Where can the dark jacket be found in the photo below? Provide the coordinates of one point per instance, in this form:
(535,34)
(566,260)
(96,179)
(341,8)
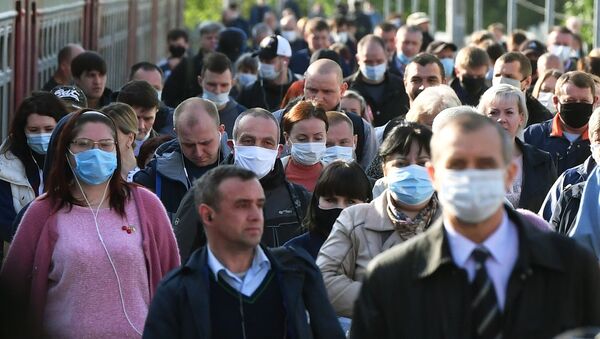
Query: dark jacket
(565,211)
(539,173)
(394,101)
(265,94)
(229,113)
(415,290)
(564,153)
(568,178)
(166,177)
(163,124)
(285,207)
(536,111)
(183,81)
(310,241)
(465,97)
(106,98)
(181,305)
(300,61)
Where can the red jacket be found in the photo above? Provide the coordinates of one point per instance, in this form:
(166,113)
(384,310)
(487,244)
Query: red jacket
(24,276)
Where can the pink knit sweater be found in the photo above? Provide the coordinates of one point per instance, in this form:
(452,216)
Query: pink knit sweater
(31,275)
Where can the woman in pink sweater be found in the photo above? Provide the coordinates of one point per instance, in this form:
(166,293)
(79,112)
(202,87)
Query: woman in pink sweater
(88,255)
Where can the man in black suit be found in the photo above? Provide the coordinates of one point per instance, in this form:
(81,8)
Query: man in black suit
(481,271)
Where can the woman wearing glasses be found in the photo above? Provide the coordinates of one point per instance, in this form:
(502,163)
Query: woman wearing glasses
(88,255)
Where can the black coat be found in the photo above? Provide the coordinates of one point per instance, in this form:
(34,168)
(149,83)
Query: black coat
(394,102)
(415,290)
(183,81)
(539,173)
(181,305)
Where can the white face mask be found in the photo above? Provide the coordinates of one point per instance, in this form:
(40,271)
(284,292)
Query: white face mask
(290,36)
(246,79)
(545,98)
(595,152)
(259,160)
(471,195)
(563,52)
(509,81)
(308,153)
(220,99)
(334,153)
(341,37)
(373,73)
(267,71)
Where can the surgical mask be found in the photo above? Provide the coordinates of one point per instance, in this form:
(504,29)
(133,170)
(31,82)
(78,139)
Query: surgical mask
(341,37)
(95,166)
(471,195)
(290,36)
(325,218)
(267,71)
(220,99)
(505,80)
(448,64)
(308,153)
(595,148)
(403,58)
(39,142)
(472,84)
(334,153)
(373,73)
(410,185)
(563,52)
(176,51)
(576,114)
(246,79)
(545,98)
(259,160)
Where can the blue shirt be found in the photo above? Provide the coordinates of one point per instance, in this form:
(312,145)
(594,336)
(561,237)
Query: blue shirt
(503,246)
(247,282)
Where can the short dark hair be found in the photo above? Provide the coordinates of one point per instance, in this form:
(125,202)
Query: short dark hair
(86,62)
(561,29)
(334,181)
(217,63)
(367,39)
(524,63)
(206,188)
(387,27)
(400,139)
(316,25)
(258,113)
(425,59)
(577,78)
(176,34)
(139,93)
(65,53)
(145,66)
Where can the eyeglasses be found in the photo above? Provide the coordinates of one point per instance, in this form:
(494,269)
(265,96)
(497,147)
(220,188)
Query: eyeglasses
(84,144)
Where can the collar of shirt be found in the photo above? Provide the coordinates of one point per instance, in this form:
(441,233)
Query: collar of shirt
(462,247)
(251,280)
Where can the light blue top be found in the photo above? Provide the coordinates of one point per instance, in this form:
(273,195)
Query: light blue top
(247,282)
(586,230)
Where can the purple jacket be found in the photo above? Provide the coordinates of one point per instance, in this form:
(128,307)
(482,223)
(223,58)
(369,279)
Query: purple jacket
(25,272)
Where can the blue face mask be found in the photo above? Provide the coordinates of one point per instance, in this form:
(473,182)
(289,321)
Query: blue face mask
(410,185)
(448,64)
(39,142)
(403,58)
(95,166)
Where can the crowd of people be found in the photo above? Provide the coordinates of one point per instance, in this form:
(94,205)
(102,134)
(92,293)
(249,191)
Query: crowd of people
(309,177)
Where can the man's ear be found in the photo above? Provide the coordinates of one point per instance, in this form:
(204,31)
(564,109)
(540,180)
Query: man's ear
(199,79)
(343,88)
(431,172)
(279,150)
(355,140)
(527,83)
(206,215)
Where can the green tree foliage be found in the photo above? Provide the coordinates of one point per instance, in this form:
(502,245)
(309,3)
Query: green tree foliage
(584,10)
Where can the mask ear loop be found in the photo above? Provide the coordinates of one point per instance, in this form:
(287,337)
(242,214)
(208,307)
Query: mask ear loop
(95,216)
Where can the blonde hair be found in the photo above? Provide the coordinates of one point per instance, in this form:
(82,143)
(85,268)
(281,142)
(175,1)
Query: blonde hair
(505,92)
(431,102)
(124,117)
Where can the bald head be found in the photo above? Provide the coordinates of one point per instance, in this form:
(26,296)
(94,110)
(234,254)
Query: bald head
(325,66)
(193,110)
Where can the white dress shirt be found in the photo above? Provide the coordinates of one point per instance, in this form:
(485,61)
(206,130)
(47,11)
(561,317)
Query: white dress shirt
(503,246)
(247,282)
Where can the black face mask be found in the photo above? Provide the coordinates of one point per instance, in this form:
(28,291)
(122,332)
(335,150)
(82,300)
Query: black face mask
(176,51)
(326,218)
(576,114)
(472,84)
